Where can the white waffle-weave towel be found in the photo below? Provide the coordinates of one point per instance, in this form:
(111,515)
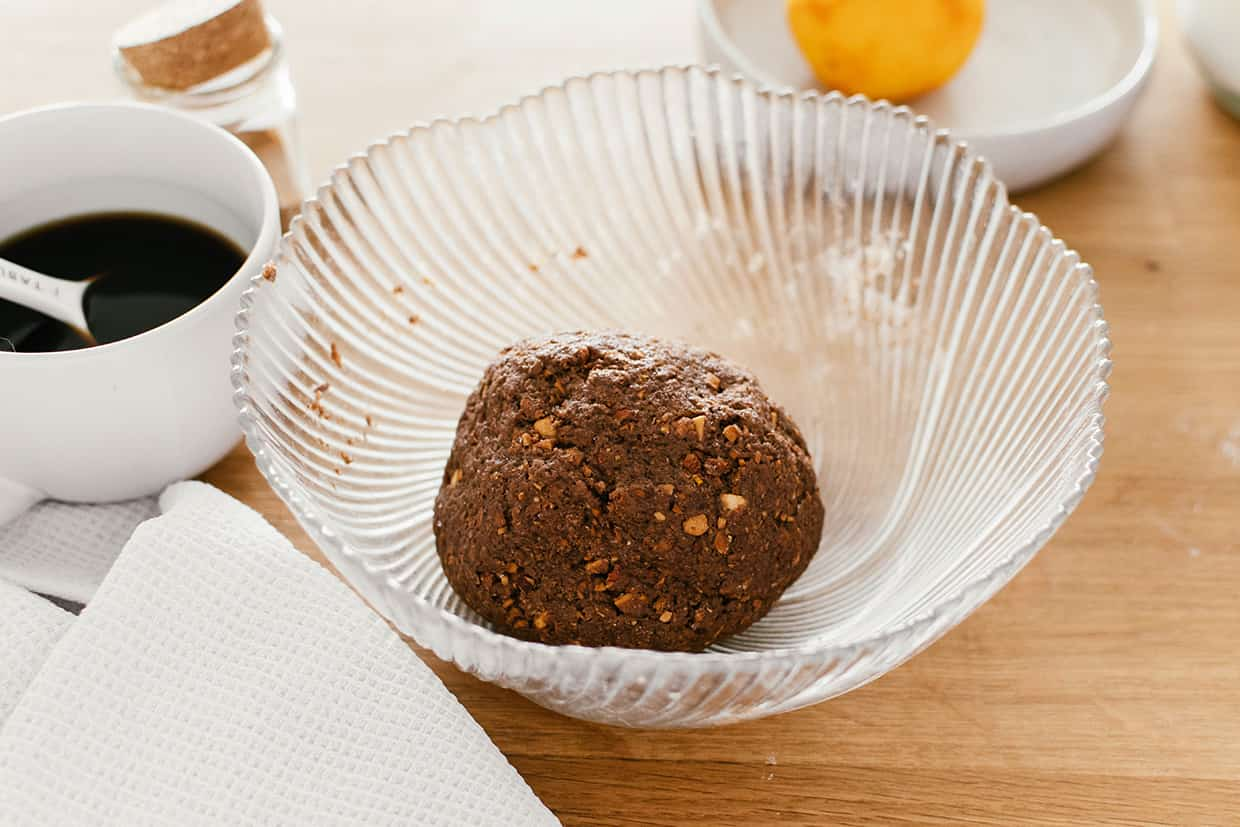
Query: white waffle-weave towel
(65,549)
(29,628)
(219,676)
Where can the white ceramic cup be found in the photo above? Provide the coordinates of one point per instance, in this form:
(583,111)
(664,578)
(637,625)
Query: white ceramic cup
(125,419)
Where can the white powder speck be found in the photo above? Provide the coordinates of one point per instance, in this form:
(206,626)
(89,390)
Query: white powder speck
(1169,531)
(1230,446)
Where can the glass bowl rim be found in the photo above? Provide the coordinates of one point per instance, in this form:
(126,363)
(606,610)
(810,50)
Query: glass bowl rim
(464,630)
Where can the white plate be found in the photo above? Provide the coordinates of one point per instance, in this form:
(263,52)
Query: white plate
(1047,87)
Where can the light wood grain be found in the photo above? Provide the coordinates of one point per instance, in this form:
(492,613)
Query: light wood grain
(1101,686)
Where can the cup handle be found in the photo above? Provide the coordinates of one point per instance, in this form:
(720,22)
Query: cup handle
(15,498)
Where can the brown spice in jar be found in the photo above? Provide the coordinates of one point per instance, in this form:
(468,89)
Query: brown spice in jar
(271,149)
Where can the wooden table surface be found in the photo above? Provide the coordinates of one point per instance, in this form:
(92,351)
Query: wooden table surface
(1101,686)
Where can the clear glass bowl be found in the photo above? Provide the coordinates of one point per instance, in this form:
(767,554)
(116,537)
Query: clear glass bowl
(943,353)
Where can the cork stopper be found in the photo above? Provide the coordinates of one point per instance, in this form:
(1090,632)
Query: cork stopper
(183,43)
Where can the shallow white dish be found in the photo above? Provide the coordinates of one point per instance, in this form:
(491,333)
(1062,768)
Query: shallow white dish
(943,354)
(1047,87)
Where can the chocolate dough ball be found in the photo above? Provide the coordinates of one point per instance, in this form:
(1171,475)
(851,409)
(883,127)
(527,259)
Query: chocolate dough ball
(613,490)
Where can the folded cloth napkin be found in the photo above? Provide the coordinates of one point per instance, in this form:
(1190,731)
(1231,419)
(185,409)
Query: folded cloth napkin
(65,549)
(29,627)
(219,676)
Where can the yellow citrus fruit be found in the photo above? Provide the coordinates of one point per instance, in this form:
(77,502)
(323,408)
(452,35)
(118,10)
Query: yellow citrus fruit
(893,49)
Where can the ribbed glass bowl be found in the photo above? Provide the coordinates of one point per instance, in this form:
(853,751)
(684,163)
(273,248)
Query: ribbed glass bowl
(943,354)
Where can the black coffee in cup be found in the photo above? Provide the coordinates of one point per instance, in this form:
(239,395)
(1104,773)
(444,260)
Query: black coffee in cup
(148,269)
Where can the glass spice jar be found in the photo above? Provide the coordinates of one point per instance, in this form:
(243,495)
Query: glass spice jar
(229,69)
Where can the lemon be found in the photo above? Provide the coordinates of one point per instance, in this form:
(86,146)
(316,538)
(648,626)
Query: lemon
(893,49)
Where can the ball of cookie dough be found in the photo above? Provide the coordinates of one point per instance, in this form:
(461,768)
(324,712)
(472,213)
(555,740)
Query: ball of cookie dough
(608,489)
